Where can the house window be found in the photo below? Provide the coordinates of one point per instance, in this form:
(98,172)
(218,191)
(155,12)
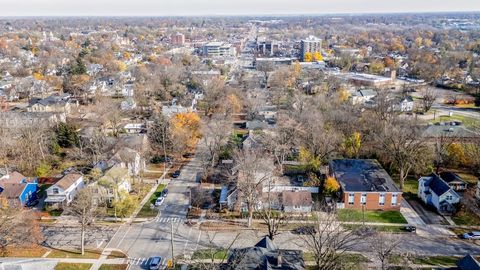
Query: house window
(55,191)
(351,198)
(394,199)
(381,199)
(449,197)
(363,199)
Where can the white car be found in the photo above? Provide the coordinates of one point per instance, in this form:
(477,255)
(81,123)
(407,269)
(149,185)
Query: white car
(472,235)
(159,201)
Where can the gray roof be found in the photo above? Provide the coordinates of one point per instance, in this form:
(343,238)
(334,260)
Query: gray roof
(437,184)
(451,177)
(362,175)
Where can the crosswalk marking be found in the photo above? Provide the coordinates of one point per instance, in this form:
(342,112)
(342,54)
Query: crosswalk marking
(169,219)
(138,261)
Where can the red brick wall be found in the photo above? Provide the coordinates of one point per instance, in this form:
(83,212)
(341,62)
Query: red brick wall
(373,201)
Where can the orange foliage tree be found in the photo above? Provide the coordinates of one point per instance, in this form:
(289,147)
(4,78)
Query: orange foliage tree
(186,129)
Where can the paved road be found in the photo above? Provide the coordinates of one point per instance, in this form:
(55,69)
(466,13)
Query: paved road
(141,241)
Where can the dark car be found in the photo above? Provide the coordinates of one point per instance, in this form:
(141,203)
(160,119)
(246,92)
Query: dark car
(155,263)
(410,228)
(188,155)
(176,174)
(165,192)
(304,230)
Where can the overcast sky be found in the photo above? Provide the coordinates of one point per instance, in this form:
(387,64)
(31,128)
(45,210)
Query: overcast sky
(224,7)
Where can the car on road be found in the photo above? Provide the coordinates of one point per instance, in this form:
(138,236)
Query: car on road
(410,228)
(165,192)
(176,174)
(155,263)
(471,235)
(159,201)
(304,230)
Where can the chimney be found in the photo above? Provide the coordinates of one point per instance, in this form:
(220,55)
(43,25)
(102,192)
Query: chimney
(279,260)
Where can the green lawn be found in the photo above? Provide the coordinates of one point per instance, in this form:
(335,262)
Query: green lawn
(75,254)
(113,267)
(436,260)
(218,254)
(146,211)
(467,121)
(371,216)
(391,229)
(73,266)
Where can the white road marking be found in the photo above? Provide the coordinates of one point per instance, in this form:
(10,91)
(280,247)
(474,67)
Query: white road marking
(187,240)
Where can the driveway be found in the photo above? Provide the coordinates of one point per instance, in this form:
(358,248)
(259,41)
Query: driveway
(427,215)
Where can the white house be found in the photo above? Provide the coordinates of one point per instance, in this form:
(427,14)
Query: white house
(127,158)
(434,191)
(404,104)
(114,180)
(64,191)
(362,96)
(297,201)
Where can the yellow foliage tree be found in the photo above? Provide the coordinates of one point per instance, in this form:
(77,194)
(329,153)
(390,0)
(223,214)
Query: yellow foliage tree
(121,66)
(331,185)
(456,155)
(317,56)
(352,145)
(312,163)
(127,55)
(38,76)
(343,95)
(307,57)
(297,70)
(376,67)
(233,104)
(187,126)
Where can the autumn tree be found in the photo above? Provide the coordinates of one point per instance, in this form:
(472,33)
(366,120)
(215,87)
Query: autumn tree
(18,228)
(384,246)
(317,57)
(331,185)
(85,210)
(308,57)
(111,181)
(185,130)
(352,145)
(429,95)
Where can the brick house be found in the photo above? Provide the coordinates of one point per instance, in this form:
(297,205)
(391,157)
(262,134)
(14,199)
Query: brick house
(364,183)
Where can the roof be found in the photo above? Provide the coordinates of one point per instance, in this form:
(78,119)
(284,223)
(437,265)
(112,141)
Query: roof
(451,177)
(68,180)
(468,263)
(265,255)
(362,175)
(13,190)
(437,185)
(297,198)
(14,177)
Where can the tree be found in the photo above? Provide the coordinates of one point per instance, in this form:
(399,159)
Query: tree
(317,57)
(383,246)
(85,210)
(402,144)
(376,67)
(441,150)
(124,205)
(331,185)
(254,169)
(429,95)
(112,180)
(185,130)
(216,132)
(307,57)
(274,220)
(329,241)
(66,135)
(18,227)
(352,145)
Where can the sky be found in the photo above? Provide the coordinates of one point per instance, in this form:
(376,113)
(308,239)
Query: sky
(224,7)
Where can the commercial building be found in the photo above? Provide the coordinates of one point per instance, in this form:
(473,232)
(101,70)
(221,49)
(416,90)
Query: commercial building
(310,45)
(216,49)
(365,184)
(178,39)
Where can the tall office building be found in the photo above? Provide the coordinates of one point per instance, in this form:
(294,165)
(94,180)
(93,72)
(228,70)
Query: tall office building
(311,44)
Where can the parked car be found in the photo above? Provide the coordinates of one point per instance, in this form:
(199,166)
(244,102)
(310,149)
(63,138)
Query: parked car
(188,155)
(176,174)
(159,201)
(304,230)
(155,263)
(471,236)
(410,228)
(165,192)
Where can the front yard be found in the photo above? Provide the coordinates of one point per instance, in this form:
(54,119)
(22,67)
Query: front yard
(73,266)
(351,215)
(466,218)
(147,211)
(75,254)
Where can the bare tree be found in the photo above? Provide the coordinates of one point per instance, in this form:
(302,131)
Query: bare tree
(215,135)
(441,146)
(18,227)
(85,210)
(429,95)
(280,143)
(254,169)
(273,219)
(329,241)
(212,252)
(384,246)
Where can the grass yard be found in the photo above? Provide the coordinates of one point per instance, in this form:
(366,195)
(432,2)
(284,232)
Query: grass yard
(73,266)
(74,254)
(26,252)
(113,267)
(146,210)
(466,218)
(467,121)
(390,229)
(371,216)
(116,255)
(436,260)
(205,254)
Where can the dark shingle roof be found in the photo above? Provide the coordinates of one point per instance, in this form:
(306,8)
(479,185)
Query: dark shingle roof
(468,263)
(437,185)
(450,177)
(357,175)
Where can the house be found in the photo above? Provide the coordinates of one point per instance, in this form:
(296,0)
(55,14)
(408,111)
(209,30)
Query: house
(454,181)
(250,142)
(265,255)
(468,263)
(127,158)
(362,96)
(404,104)
(128,104)
(114,180)
(53,103)
(365,184)
(434,191)
(17,189)
(135,128)
(297,201)
(64,191)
